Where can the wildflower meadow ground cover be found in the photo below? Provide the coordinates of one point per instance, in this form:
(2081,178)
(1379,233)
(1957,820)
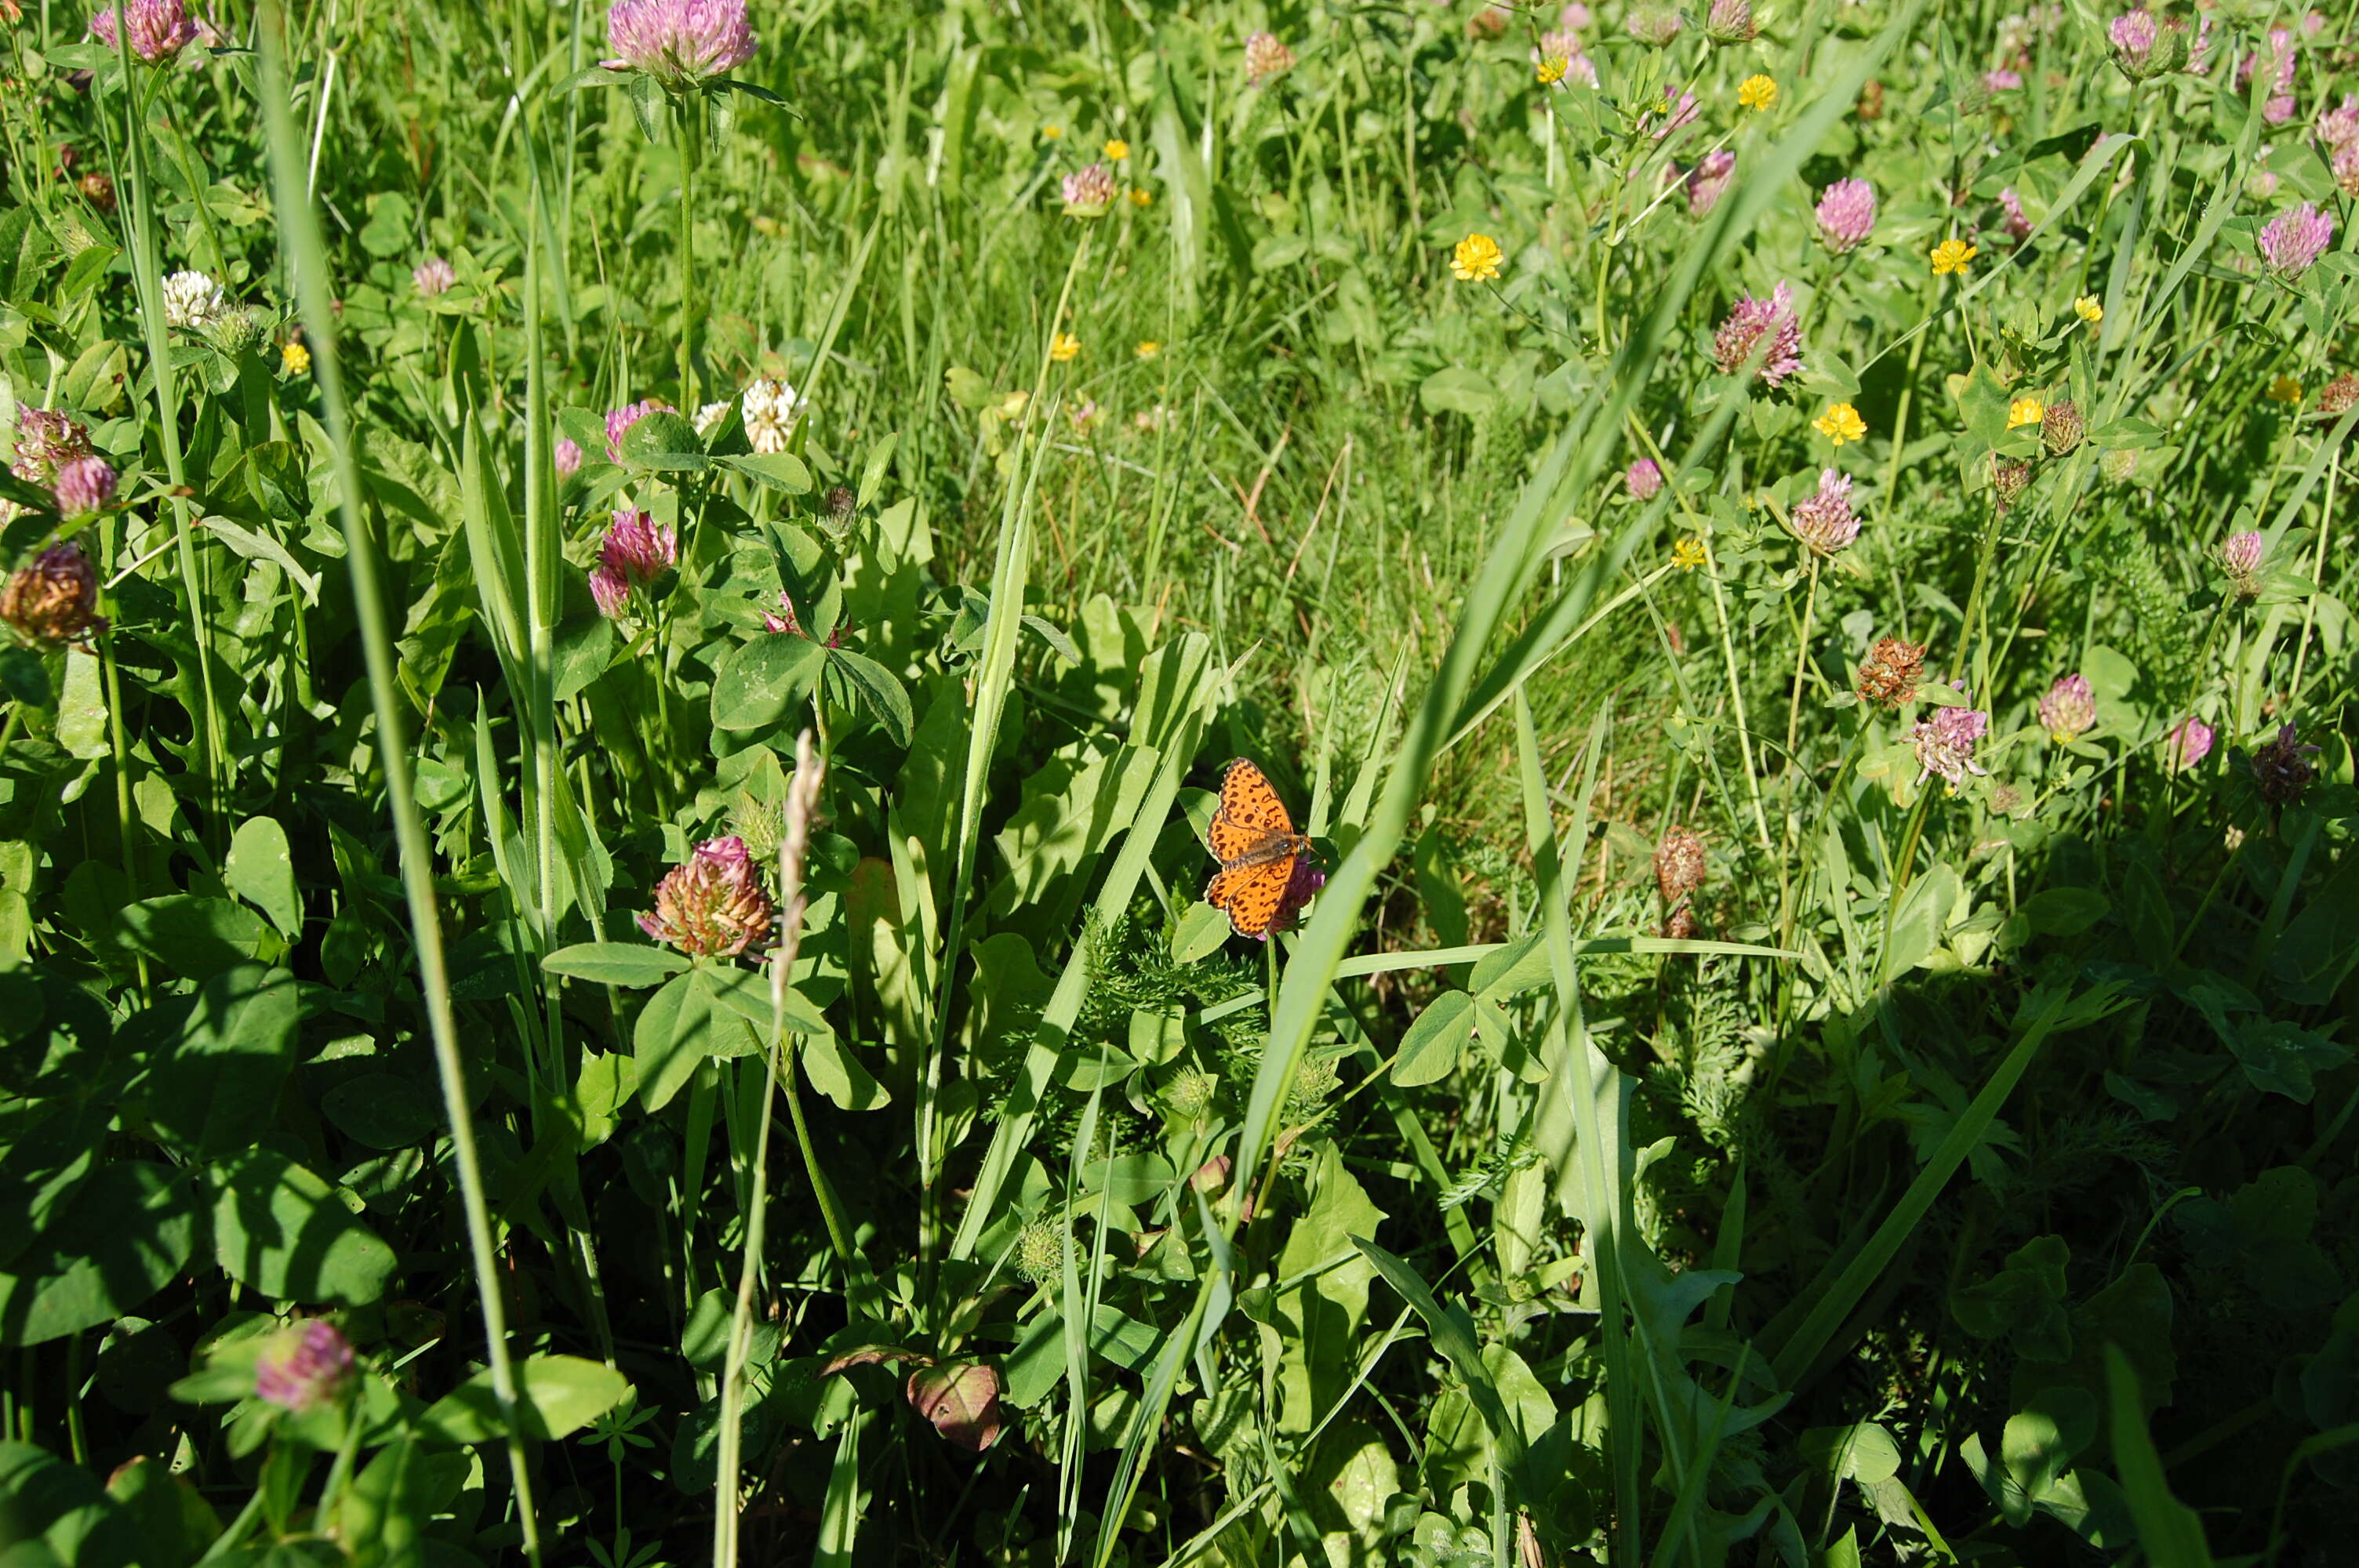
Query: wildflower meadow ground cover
(1346,782)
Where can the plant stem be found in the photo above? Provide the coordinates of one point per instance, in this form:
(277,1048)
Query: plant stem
(802,800)
(689,110)
(298,227)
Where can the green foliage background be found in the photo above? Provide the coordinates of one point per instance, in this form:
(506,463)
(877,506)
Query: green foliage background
(1957,1174)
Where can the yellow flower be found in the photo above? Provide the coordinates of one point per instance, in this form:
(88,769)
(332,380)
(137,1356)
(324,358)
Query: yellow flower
(1142,199)
(1052,132)
(295,359)
(2285,389)
(2025,411)
(1476,259)
(1951,256)
(1756,92)
(1116,150)
(1064,346)
(1148,348)
(1552,70)
(2088,309)
(1841,423)
(1688,554)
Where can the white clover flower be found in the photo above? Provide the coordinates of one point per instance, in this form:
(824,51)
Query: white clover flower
(771,408)
(709,417)
(193,301)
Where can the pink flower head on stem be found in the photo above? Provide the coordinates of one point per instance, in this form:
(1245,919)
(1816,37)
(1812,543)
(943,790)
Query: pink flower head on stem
(680,43)
(2018,225)
(2186,743)
(715,907)
(1846,214)
(2294,240)
(1945,743)
(1709,180)
(2241,553)
(1643,479)
(1266,56)
(2339,126)
(433,276)
(569,458)
(1089,192)
(2002,80)
(1683,114)
(1762,336)
(159,29)
(86,485)
(46,438)
(637,549)
(1825,520)
(2132,36)
(2068,708)
(306,1366)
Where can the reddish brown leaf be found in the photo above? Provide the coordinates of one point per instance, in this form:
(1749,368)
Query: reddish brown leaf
(871,1355)
(961,1400)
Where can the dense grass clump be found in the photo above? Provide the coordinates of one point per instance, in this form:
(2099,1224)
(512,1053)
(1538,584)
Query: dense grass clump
(628,930)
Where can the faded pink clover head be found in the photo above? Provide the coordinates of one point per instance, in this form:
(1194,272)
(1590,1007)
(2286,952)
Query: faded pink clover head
(568,456)
(1825,520)
(306,1366)
(2241,553)
(680,43)
(433,276)
(84,486)
(1683,114)
(610,590)
(1731,22)
(1643,479)
(47,439)
(715,907)
(54,600)
(1654,24)
(1089,192)
(1846,214)
(1709,180)
(156,30)
(620,420)
(2186,743)
(2294,240)
(2339,126)
(1945,743)
(1266,56)
(1762,336)
(2002,80)
(2068,708)
(2132,36)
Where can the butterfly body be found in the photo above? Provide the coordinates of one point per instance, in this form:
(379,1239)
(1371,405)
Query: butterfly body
(1254,838)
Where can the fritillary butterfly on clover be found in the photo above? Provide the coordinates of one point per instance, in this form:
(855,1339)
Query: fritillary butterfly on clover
(1267,870)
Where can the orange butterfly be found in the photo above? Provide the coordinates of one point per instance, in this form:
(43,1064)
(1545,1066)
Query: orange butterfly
(1260,882)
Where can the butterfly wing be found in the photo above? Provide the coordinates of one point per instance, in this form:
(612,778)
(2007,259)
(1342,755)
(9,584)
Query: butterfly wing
(1249,800)
(1251,896)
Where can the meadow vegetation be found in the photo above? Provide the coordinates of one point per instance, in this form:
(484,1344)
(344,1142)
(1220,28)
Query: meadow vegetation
(625,625)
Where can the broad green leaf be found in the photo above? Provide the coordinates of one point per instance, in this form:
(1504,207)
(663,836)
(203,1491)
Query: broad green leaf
(631,965)
(382,1110)
(555,1396)
(284,1232)
(759,682)
(779,470)
(195,936)
(1428,1051)
(214,1091)
(128,1232)
(261,871)
(664,441)
(880,689)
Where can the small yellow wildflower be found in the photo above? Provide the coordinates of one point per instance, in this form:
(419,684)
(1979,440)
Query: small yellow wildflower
(1756,92)
(2285,389)
(2025,411)
(1476,259)
(1688,554)
(295,359)
(2089,310)
(1064,346)
(1142,197)
(1951,256)
(1841,423)
(1551,69)
(1052,132)
(1116,150)
(1148,348)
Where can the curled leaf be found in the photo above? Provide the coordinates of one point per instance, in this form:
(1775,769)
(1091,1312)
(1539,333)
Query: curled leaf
(961,1401)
